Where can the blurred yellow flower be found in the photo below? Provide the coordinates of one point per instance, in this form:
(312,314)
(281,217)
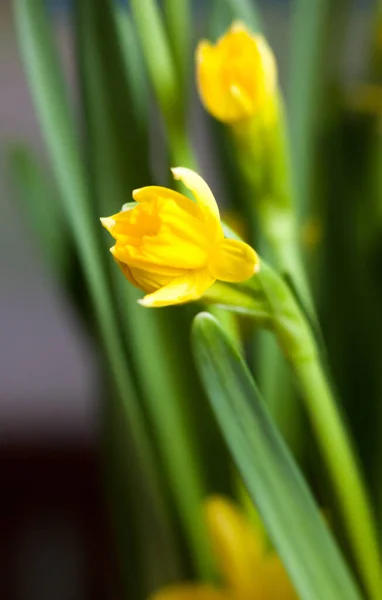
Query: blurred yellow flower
(237,77)
(249,572)
(173,248)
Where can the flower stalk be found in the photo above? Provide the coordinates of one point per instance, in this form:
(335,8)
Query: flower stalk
(272,305)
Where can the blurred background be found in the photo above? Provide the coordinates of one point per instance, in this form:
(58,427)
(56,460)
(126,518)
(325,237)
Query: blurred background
(55,539)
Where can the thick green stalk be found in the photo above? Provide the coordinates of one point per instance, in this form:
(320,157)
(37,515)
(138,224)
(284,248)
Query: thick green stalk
(269,302)
(344,469)
(263,158)
(300,349)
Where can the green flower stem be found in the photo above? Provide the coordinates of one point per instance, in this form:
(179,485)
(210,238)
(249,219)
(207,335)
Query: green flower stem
(262,154)
(267,299)
(300,349)
(344,470)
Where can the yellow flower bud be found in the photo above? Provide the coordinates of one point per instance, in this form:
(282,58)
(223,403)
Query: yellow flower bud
(173,248)
(237,77)
(249,572)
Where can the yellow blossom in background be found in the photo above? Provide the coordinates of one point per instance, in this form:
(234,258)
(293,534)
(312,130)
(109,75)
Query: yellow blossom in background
(248,570)
(237,77)
(173,248)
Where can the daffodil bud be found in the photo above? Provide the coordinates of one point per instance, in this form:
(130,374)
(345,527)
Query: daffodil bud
(247,570)
(174,249)
(237,77)
(237,81)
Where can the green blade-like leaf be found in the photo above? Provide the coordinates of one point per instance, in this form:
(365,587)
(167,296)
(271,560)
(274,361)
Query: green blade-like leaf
(224,12)
(108,76)
(274,482)
(49,93)
(39,203)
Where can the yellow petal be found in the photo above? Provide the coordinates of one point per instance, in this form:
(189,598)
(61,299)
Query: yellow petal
(211,86)
(165,251)
(276,584)
(233,261)
(191,592)
(126,271)
(186,288)
(200,190)
(153,192)
(162,231)
(237,547)
(119,253)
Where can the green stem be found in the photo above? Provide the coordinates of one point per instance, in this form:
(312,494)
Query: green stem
(344,470)
(288,258)
(300,349)
(262,154)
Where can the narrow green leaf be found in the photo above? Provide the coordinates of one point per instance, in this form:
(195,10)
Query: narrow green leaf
(159,60)
(150,335)
(223,12)
(179,24)
(277,487)
(45,77)
(316,38)
(40,204)
(134,66)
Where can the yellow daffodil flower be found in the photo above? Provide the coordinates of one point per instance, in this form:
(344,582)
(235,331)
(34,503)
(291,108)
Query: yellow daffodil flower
(237,77)
(173,248)
(249,571)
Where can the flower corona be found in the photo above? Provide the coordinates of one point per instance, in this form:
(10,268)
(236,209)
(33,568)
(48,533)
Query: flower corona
(173,248)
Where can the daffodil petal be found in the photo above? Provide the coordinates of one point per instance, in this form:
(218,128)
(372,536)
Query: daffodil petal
(199,188)
(233,261)
(191,592)
(236,545)
(186,288)
(126,271)
(150,193)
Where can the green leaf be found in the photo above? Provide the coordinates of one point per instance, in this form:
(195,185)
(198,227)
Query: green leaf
(40,205)
(43,71)
(151,336)
(316,42)
(134,66)
(274,481)
(224,12)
